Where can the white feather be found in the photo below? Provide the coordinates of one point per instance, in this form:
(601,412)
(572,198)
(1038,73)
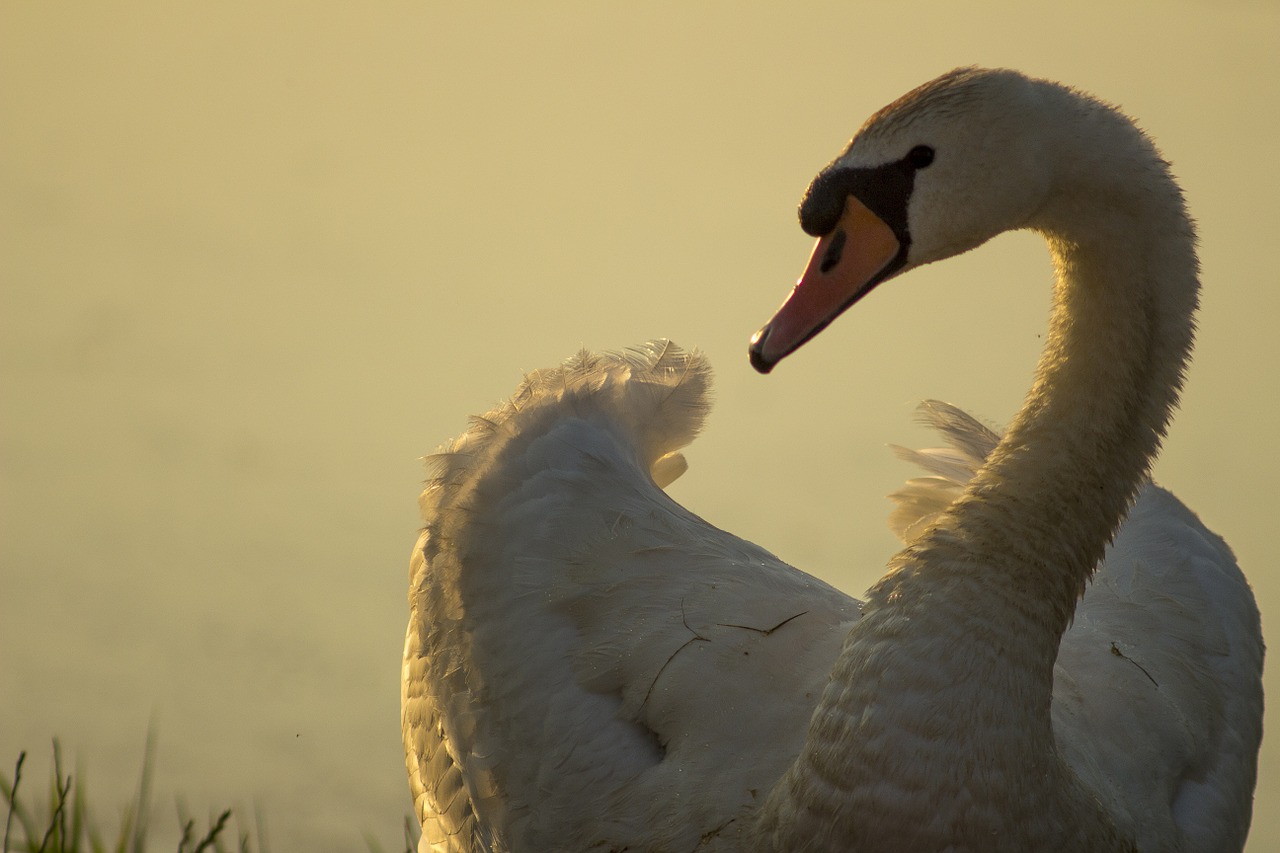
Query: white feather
(606,665)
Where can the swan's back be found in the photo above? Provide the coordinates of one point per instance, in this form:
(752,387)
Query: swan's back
(589,665)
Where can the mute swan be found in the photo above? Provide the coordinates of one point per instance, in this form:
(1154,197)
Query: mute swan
(590,666)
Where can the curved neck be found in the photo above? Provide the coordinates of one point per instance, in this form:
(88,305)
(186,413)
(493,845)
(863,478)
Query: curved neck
(1056,488)
(948,677)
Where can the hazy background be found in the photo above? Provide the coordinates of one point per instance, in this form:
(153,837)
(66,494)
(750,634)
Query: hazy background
(257,258)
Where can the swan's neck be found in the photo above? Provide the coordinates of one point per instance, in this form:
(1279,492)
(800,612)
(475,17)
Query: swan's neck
(1037,518)
(936,721)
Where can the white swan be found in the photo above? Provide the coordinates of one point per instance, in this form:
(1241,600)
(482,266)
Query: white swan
(589,666)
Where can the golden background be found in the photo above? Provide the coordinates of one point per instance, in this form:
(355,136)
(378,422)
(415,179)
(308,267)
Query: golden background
(256,258)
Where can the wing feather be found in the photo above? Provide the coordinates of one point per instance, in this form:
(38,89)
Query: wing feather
(588,665)
(1157,688)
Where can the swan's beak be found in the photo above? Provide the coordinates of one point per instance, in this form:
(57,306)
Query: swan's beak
(846,263)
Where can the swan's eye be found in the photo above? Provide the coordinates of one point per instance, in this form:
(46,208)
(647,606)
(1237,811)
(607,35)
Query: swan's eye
(920,156)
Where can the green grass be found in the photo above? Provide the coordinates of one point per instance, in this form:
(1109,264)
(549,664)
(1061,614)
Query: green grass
(60,822)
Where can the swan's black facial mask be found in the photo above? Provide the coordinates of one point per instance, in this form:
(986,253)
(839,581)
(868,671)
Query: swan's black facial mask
(852,211)
(885,190)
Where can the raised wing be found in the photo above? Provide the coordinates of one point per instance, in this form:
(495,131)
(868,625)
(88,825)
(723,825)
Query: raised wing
(588,665)
(1158,683)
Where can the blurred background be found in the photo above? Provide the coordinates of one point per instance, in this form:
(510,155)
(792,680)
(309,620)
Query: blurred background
(257,258)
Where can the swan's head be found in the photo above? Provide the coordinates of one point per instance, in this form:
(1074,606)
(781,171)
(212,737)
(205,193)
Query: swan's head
(936,173)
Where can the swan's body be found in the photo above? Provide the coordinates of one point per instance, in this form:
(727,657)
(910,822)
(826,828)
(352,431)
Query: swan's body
(589,666)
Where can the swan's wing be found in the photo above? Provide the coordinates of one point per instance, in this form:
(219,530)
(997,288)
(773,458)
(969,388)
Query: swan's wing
(588,665)
(919,502)
(1158,685)
(1157,689)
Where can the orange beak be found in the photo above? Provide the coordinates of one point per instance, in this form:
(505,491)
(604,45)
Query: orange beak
(845,265)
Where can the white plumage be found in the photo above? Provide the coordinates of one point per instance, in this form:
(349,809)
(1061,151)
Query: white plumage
(590,666)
